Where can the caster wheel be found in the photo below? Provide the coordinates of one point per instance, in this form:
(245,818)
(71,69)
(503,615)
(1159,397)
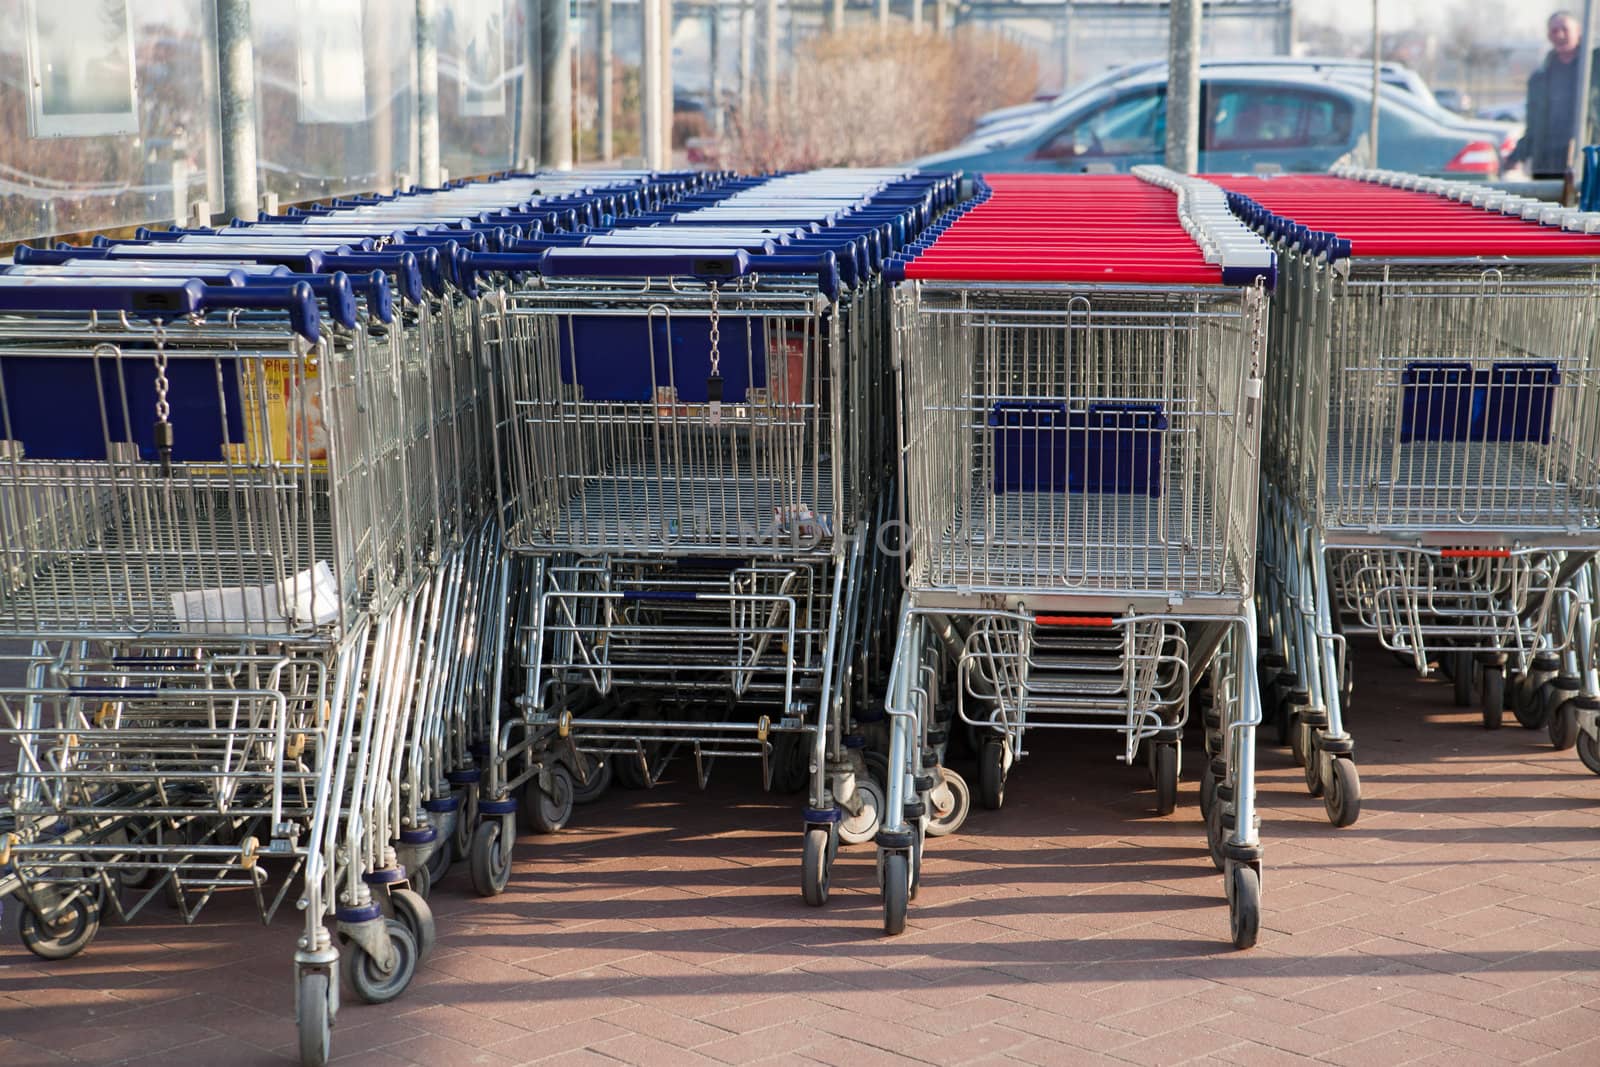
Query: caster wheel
(1283,719)
(1589,751)
(1208,792)
(490,859)
(1528,705)
(1314,768)
(439,860)
(1244,905)
(466,819)
(1494,697)
(600,772)
(549,812)
(877,765)
(64,935)
(627,773)
(314,1020)
(420,880)
(412,910)
(1164,770)
(1462,668)
(1341,794)
(992,775)
(1216,830)
(863,826)
(896,892)
(791,763)
(917,842)
(816,861)
(1299,742)
(1562,725)
(370,980)
(950,802)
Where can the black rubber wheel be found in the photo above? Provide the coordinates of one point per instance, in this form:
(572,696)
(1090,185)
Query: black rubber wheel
(1208,791)
(862,827)
(1164,769)
(992,775)
(1342,793)
(66,934)
(1283,717)
(420,879)
(490,859)
(791,762)
(1244,906)
(896,892)
(1462,668)
(1528,705)
(946,815)
(1562,725)
(816,859)
(549,812)
(1589,751)
(1313,768)
(371,982)
(600,774)
(1216,830)
(1494,697)
(1299,741)
(626,770)
(411,908)
(314,1020)
(466,818)
(439,860)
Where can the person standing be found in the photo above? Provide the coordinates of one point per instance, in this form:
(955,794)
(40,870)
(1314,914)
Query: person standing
(1552,110)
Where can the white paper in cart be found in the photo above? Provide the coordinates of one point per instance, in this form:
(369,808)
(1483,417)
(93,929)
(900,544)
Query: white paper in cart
(311,596)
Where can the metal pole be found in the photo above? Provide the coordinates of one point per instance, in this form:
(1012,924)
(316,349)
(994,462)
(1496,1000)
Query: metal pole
(1066,45)
(236,74)
(1585,72)
(916,16)
(667,96)
(532,86)
(603,86)
(714,43)
(1377,82)
(555,70)
(650,85)
(427,95)
(836,16)
(1183,87)
(883,17)
(938,16)
(747,34)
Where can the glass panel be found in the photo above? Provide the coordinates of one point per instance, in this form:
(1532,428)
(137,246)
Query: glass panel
(108,114)
(481,45)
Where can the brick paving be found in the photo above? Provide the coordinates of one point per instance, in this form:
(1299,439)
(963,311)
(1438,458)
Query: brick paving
(1456,924)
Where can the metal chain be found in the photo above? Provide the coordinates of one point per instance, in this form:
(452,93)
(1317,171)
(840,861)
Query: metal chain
(716,334)
(163,430)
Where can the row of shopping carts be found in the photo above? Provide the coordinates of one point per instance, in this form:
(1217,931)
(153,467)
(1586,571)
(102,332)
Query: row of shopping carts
(1431,454)
(253,581)
(1079,366)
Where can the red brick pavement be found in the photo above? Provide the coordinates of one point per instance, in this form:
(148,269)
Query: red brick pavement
(1456,923)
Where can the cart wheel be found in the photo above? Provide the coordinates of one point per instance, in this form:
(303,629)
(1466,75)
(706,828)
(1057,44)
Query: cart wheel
(863,826)
(992,775)
(1562,725)
(1244,905)
(896,892)
(1283,717)
(1300,741)
(1341,795)
(64,936)
(1494,697)
(815,862)
(466,818)
(918,840)
(1461,671)
(414,914)
(549,812)
(1589,750)
(627,772)
(314,1020)
(1215,831)
(1164,769)
(439,860)
(1528,704)
(877,765)
(1208,791)
(951,800)
(791,763)
(490,859)
(600,772)
(419,880)
(1314,770)
(371,982)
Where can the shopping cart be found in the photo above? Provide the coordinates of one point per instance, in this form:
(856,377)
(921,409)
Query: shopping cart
(691,444)
(1431,473)
(1078,363)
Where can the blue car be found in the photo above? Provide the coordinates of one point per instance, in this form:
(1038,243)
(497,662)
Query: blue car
(1249,121)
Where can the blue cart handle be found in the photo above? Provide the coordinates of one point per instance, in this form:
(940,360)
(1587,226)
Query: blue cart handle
(635,263)
(403,265)
(166,300)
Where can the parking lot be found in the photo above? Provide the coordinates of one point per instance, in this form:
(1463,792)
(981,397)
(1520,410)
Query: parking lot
(1455,923)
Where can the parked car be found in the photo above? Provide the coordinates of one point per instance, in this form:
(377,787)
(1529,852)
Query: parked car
(1250,119)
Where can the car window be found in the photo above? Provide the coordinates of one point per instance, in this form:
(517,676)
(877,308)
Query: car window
(1133,123)
(1244,117)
